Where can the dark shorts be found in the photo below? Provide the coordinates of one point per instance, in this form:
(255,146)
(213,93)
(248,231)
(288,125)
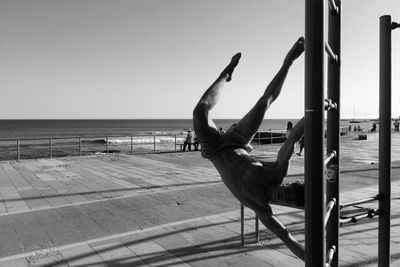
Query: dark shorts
(288,195)
(214,144)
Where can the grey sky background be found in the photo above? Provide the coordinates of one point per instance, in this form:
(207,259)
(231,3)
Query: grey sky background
(143,59)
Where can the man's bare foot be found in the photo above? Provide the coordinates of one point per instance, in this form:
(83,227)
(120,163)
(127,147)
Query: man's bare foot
(296,50)
(232,65)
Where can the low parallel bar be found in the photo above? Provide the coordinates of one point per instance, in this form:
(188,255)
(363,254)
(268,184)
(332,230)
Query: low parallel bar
(332,56)
(331,155)
(329,208)
(358,202)
(329,256)
(369,214)
(257,230)
(242,223)
(330,105)
(333,7)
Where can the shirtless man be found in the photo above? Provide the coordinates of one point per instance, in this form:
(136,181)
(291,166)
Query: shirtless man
(250,180)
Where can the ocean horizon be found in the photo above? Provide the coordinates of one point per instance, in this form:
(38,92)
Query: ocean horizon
(44,138)
(14,129)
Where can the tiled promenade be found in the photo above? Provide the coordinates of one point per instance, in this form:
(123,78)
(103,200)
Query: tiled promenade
(165,210)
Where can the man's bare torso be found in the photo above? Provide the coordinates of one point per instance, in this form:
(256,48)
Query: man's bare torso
(247,178)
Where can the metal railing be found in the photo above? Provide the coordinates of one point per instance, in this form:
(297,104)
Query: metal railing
(49,147)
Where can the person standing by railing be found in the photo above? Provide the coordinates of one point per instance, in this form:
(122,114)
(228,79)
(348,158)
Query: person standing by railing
(189,140)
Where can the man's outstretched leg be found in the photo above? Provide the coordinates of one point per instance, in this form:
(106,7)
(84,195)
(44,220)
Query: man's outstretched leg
(250,123)
(203,125)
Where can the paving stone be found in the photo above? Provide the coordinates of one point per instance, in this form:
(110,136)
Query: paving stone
(21,262)
(82,255)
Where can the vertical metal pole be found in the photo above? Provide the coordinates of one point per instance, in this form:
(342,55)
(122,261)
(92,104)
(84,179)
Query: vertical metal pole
(80,146)
(242,223)
(257,230)
(314,133)
(107,145)
(385,91)
(18,152)
(333,131)
(131,144)
(51,147)
(154,142)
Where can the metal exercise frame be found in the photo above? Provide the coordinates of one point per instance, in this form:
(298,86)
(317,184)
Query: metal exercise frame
(322,215)
(318,251)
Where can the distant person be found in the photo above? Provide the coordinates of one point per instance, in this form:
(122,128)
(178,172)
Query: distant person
(189,140)
(301,143)
(251,180)
(358,128)
(373,128)
(289,128)
(396,125)
(349,128)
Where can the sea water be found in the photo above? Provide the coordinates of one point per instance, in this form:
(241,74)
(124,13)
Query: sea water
(44,138)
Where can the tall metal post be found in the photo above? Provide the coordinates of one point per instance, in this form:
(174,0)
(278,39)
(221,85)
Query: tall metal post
(314,118)
(385,91)
(333,125)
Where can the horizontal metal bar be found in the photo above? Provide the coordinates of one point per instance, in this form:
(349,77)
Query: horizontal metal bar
(330,105)
(358,202)
(88,137)
(331,155)
(329,208)
(333,7)
(329,256)
(332,56)
(395,25)
(369,214)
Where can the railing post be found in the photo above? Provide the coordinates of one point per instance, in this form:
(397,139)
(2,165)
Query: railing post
(175,143)
(51,147)
(18,151)
(154,142)
(131,144)
(107,145)
(385,91)
(80,146)
(314,134)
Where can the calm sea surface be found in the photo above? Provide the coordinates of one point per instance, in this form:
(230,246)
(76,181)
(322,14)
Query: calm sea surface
(31,138)
(12,129)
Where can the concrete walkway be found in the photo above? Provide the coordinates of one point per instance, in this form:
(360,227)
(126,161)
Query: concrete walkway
(162,210)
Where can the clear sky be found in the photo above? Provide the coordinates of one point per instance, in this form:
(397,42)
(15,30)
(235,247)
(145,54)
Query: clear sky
(143,59)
